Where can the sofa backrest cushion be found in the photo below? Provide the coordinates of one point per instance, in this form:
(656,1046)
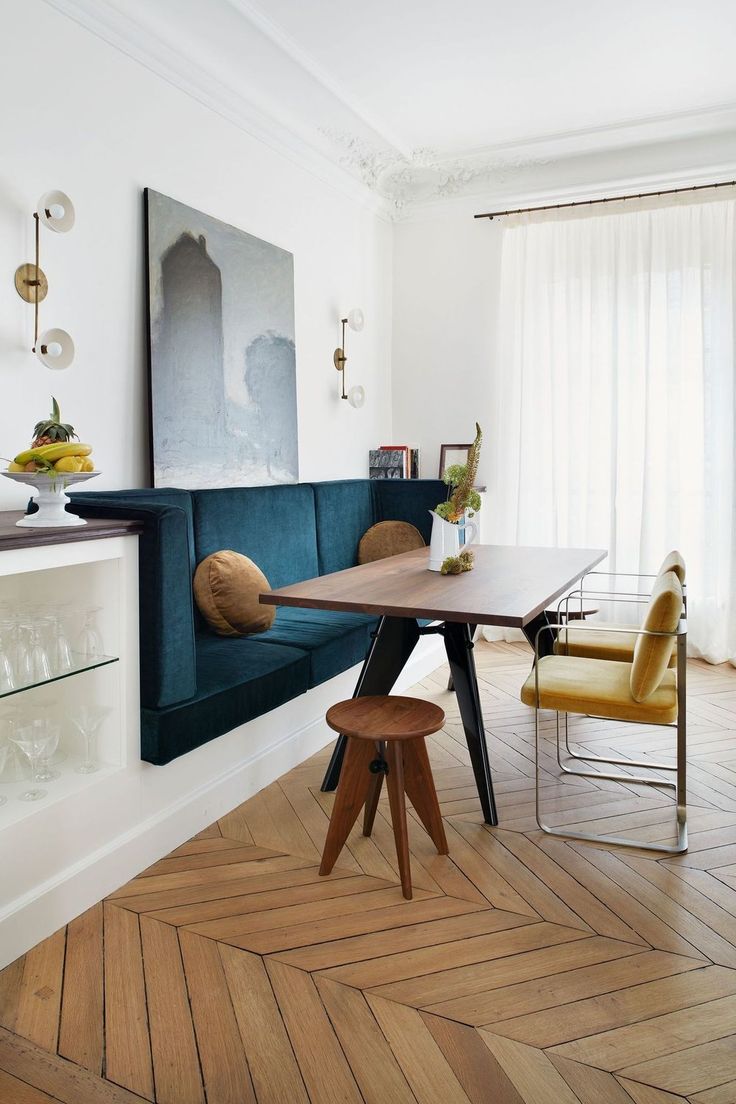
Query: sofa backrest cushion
(345,510)
(274,526)
(409,500)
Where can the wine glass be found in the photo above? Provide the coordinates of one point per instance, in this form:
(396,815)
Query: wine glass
(36,740)
(59,648)
(38,659)
(15,767)
(88,720)
(89,642)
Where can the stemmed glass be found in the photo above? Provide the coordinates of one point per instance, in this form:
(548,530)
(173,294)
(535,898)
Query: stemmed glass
(15,767)
(89,642)
(88,721)
(38,659)
(37,740)
(60,650)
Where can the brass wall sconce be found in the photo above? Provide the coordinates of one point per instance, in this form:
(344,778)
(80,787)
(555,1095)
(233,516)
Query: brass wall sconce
(356,395)
(54,347)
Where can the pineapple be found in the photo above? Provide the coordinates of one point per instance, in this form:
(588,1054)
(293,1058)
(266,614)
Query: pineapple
(52,431)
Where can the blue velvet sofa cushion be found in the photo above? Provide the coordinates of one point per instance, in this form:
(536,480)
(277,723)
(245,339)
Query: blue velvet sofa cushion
(345,510)
(238,679)
(333,641)
(409,500)
(167,650)
(274,526)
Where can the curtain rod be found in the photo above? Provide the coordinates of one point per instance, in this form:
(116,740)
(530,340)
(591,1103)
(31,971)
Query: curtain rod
(608,199)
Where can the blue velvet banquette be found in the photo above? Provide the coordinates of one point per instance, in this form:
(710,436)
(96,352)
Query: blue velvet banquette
(195,685)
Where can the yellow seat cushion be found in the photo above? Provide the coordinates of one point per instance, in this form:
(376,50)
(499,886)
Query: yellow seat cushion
(652,654)
(596,643)
(600,687)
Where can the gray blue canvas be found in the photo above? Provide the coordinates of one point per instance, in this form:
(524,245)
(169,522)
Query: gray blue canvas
(223,366)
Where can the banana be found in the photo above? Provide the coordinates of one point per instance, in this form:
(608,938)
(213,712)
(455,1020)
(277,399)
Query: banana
(53,452)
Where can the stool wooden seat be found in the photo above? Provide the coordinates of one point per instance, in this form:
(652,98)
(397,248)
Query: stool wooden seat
(385,736)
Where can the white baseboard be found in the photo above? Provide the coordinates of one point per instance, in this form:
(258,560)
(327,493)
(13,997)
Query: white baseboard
(176,812)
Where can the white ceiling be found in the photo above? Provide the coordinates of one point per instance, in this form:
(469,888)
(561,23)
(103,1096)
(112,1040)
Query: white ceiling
(476,73)
(420,100)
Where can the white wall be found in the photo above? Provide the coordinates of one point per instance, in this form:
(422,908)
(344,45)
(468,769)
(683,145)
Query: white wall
(81,116)
(446,272)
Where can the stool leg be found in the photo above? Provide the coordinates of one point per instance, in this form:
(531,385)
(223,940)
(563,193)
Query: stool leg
(374,794)
(395,785)
(355,782)
(419,785)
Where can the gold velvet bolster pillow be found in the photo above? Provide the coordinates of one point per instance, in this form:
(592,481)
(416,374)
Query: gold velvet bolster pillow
(673,561)
(226,590)
(388,538)
(652,653)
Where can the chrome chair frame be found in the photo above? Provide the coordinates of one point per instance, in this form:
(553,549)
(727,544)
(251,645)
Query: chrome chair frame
(680,725)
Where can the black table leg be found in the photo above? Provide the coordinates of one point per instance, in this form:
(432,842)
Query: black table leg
(546,640)
(393,642)
(450,683)
(459,647)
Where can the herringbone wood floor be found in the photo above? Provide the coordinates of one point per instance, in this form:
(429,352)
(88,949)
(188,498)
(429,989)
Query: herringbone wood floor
(526,969)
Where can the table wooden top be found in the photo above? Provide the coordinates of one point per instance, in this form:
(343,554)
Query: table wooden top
(95,529)
(509,585)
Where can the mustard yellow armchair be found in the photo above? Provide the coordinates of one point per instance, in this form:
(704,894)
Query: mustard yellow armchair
(644,689)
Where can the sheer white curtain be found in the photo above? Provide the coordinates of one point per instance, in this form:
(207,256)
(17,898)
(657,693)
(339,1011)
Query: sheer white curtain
(614,412)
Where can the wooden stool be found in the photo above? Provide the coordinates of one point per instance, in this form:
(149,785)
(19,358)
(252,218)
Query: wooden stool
(385,736)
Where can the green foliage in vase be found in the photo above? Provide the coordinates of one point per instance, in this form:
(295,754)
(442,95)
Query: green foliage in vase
(460,479)
(456,565)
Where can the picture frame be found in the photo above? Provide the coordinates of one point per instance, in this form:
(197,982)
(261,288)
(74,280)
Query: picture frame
(453,454)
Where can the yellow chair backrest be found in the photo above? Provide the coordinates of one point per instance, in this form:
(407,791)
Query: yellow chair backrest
(673,561)
(652,653)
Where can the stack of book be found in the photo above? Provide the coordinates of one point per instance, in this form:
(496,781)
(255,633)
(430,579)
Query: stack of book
(394,462)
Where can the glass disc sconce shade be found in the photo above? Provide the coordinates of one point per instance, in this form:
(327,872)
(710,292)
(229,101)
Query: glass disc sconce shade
(56,211)
(54,347)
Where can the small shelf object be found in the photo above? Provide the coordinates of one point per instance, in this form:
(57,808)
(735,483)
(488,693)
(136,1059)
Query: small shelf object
(51,498)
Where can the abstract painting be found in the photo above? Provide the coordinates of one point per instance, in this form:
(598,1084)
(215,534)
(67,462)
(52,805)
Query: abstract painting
(222,354)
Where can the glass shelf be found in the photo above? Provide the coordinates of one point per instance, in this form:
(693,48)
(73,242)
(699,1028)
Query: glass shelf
(82,663)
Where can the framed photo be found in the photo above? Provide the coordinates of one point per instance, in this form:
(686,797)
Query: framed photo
(453,454)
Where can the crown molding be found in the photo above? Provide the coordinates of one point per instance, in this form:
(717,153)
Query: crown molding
(118,29)
(358,156)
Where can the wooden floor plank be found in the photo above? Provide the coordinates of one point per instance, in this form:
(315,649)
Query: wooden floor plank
(39,998)
(480,1075)
(13,1091)
(62,1080)
(430,1075)
(173,1048)
(270,1057)
(689,1071)
(128,1047)
(656,1037)
(374,1066)
(591,1086)
(530,1070)
(224,1068)
(325,1069)
(81,1028)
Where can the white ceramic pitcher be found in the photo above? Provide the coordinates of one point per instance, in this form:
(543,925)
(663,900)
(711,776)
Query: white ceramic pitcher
(445,540)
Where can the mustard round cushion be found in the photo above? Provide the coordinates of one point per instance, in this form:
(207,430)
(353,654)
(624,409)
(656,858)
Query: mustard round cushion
(673,561)
(652,653)
(388,538)
(226,590)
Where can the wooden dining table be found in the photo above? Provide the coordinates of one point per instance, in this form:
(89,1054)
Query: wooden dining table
(509,586)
